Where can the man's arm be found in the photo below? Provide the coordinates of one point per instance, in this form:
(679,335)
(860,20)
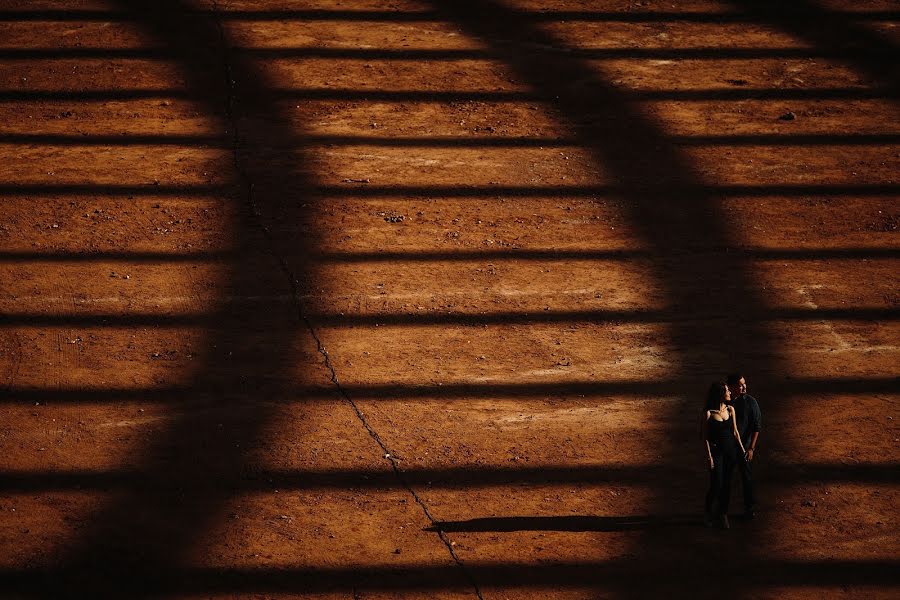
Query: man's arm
(737,434)
(752,447)
(755,426)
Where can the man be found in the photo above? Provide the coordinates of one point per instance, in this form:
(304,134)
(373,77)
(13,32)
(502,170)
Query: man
(749,420)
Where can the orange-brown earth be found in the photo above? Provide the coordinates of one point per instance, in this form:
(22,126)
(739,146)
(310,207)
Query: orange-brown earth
(421,300)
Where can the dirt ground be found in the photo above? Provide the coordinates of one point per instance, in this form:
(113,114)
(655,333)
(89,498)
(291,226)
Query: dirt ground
(359,299)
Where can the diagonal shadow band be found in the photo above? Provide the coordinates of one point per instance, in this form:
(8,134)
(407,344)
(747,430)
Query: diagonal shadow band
(866,51)
(118,555)
(648,169)
(637,151)
(138,538)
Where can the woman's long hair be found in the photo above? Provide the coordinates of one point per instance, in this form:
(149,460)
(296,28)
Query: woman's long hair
(716,395)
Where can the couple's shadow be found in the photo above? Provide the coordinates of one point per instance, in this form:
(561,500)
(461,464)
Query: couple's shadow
(568,523)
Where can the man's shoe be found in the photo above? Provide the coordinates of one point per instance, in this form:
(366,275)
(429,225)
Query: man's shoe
(707,520)
(723,522)
(749,514)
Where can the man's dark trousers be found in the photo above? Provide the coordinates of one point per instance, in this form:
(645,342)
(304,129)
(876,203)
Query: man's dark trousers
(745,468)
(749,420)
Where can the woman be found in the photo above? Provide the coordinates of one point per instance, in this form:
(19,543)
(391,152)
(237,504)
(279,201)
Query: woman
(723,450)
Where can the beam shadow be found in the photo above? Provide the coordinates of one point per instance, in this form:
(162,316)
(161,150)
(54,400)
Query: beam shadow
(753,575)
(442,97)
(461,318)
(463,255)
(407,54)
(815,139)
(467,477)
(567,523)
(662,390)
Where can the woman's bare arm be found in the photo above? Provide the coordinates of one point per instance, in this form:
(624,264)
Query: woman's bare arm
(737,436)
(704,427)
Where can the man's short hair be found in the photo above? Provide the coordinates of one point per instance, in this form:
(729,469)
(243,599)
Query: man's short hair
(734,378)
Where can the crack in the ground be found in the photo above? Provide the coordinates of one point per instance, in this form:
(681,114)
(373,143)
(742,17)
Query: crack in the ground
(247,187)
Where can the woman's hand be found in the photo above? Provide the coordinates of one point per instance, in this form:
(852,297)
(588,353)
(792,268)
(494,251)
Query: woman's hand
(712,464)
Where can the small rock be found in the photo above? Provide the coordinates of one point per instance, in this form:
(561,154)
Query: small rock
(396,550)
(811,503)
(788,116)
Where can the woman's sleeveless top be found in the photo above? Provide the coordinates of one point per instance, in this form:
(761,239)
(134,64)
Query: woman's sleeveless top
(721,433)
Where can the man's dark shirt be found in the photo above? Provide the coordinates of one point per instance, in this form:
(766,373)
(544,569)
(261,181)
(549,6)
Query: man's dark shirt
(749,417)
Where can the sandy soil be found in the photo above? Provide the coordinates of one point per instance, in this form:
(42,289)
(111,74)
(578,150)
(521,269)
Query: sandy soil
(420,300)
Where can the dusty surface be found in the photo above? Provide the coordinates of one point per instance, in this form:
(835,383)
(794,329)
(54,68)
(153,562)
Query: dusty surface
(377,300)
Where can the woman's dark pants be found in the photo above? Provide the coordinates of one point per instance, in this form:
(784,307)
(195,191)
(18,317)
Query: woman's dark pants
(719,494)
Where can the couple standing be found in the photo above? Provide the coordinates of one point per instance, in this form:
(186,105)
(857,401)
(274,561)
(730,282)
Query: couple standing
(730,424)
